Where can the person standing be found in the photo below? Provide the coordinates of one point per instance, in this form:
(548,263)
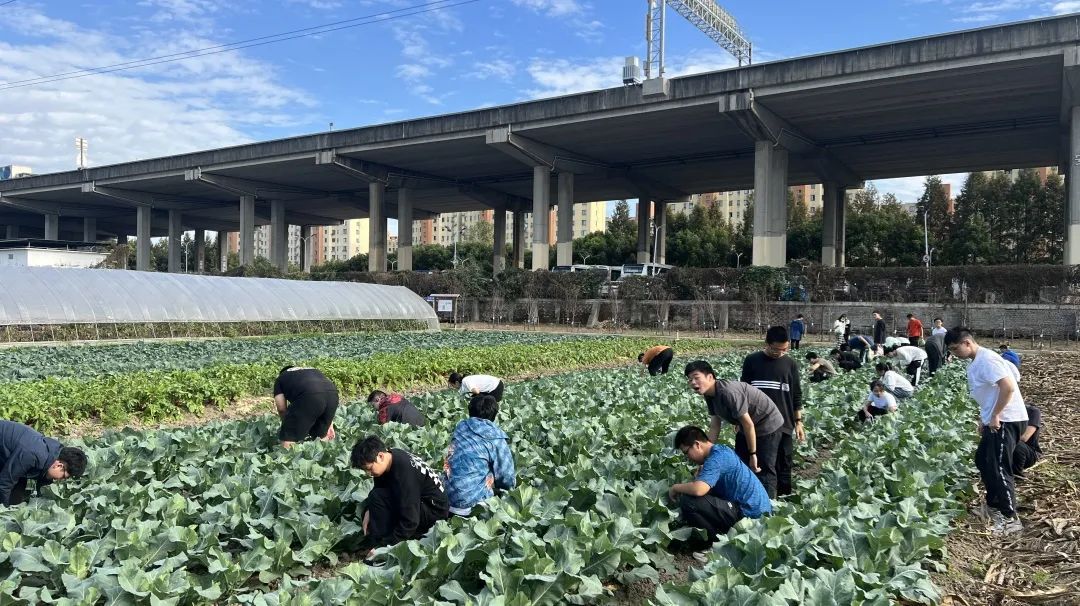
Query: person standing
(879,328)
(796,331)
(756,419)
(840,329)
(777,375)
(939,328)
(306,401)
(914,330)
(27,455)
(657,359)
(1003,418)
(936,353)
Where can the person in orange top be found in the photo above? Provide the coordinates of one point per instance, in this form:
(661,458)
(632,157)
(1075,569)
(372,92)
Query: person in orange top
(914,330)
(657,359)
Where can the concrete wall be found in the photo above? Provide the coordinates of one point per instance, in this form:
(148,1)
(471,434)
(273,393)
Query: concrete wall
(1009,321)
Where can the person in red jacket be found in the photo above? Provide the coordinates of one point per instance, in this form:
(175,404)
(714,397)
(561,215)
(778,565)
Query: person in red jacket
(914,330)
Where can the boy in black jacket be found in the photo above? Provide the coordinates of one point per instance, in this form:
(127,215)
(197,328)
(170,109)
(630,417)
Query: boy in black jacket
(408,497)
(776,374)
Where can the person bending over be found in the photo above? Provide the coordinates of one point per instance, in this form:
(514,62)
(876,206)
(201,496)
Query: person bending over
(1028,452)
(395,408)
(27,455)
(306,401)
(894,382)
(478,461)
(657,359)
(408,497)
(474,385)
(820,368)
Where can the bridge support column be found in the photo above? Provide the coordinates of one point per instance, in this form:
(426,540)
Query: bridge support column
(644,213)
(12,232)
(660,239)
(200,251)
(376,227)
(176,233)
(306,253)
(52,227)
(1072,182)
(247,229)
(498,251)
(540,217)
(831,207)
(279,235)
(142,241)
(770,204)
(405,229)
(517,241)
(564,252)
(89,230)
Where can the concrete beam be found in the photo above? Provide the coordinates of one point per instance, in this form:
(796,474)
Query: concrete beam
(493,198)
(369,172)
(653,189)
(252,187)
(759,123)
(131,198)
(534,153)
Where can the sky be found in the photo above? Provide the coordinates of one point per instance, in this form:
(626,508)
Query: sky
(456,56)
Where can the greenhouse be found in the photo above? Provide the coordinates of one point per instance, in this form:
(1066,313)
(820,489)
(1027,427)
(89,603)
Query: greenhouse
(123,303)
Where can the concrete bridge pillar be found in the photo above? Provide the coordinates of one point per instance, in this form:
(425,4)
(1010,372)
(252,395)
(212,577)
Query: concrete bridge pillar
(498,253)
(176,233)
(247,229)
(1072,183)
(200,251)
(405,229)
(832,234)
(518,240)
(279,235)
(376,227)
(564,253)
(770,204)
(52,227)
(306,253)
(644,214)
(142,235)
(12,232)
(89,229)
(660,238)
(541,209)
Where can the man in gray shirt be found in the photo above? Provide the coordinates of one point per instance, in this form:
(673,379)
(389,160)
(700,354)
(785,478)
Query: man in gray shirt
(755,416)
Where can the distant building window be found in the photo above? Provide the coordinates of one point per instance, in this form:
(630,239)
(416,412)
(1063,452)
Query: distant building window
(813,197)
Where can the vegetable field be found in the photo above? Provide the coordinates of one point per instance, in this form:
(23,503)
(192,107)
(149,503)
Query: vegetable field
(218,514)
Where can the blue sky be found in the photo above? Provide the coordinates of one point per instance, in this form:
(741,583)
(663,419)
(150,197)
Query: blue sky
(486,52)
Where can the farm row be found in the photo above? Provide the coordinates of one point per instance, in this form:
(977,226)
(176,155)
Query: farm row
(219,514)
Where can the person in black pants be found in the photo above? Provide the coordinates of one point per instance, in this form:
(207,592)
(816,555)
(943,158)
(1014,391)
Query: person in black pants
(756,419)
(306,401)
(879,329)
(657,359)
(777,375)
(935,353)
(408,497)
(1028,452)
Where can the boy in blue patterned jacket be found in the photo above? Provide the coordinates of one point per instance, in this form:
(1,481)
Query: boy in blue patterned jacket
(479,459)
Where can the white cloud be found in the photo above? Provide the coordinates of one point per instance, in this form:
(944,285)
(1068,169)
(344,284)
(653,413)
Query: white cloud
(412,71)
(558,77)
(170,108)
(497,69)
(909,189)
(552,8)
(1061,8)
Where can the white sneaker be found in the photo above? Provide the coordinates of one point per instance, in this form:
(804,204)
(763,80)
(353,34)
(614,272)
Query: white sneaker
(1005,526)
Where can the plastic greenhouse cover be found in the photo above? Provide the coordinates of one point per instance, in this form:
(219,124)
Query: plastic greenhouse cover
(49,295)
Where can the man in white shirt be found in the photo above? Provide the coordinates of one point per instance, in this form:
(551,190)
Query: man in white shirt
(473,385)
(993,384)
(910,358)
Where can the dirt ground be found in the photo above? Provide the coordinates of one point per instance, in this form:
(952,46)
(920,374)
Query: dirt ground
(1040,565)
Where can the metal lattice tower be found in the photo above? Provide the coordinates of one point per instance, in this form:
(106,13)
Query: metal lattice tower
(707,16)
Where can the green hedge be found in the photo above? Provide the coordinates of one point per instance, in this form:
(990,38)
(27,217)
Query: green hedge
(53,404)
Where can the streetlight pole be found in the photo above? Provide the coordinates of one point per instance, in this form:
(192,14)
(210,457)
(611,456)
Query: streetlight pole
(585,258)
(926,239)
(738,257)
(656,243)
